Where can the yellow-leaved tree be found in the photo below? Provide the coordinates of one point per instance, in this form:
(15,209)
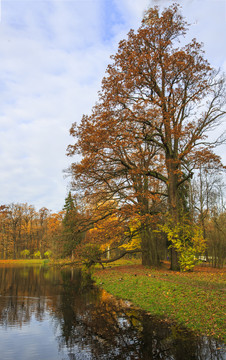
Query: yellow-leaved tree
(187,239)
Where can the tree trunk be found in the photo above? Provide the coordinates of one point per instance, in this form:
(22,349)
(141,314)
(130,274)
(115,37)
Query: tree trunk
(150,256)
(173,207)
(174,260)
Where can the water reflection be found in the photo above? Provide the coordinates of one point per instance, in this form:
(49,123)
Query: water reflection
(51,314)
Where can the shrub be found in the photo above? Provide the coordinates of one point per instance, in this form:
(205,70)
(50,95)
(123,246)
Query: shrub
(47,254)
(90,253)
(37,255)
(25,253)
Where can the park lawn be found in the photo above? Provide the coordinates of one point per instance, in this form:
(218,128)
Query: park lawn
(22,262)
(195,299)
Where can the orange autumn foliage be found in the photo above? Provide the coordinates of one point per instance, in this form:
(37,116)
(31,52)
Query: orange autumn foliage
(148,132)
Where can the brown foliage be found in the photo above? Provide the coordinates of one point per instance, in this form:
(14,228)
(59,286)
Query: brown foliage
(147,133)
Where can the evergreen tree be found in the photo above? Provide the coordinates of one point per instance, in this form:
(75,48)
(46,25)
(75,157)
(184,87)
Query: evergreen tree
(70,236)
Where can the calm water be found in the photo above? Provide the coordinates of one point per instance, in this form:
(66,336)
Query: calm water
(47,314)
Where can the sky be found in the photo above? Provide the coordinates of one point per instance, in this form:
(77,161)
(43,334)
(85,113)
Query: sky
(53,56)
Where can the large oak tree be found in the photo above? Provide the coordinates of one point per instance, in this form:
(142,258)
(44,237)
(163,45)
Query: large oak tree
(148,130)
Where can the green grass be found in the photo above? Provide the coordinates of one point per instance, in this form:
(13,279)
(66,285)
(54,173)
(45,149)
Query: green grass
(196,300)
(23,262)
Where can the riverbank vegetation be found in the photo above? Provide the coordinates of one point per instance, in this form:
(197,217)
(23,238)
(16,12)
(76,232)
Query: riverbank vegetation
(194,299)
(23,262)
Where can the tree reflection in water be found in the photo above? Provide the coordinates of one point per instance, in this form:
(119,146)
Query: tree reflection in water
(89,323)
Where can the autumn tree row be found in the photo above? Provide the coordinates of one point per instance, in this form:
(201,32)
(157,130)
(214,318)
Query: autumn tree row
(75,231)
(145,139)
(25,233)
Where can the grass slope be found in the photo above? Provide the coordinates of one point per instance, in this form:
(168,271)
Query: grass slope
(22,262)
(195,299)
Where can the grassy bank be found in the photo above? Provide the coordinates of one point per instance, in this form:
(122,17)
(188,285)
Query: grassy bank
(196,299)
(23,262)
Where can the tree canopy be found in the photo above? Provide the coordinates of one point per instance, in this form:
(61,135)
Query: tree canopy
(148,132)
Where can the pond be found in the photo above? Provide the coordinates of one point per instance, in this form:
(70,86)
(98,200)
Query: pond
(51,314)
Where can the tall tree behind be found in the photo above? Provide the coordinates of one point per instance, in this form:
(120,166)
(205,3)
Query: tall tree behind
(16,218)
(207,195)
(156,95)
(44,214)
(207,198)
(70,236)
(5,238)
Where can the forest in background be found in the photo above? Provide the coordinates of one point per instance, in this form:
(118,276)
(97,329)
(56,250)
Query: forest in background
(27,233)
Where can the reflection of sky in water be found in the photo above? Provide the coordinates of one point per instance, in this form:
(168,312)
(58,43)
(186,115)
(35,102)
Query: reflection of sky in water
(31,341)
(36,340)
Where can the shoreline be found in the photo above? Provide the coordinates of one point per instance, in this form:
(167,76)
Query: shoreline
(195,300)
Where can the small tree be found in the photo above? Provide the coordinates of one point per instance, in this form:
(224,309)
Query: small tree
(188,241)
(37,255)
(25,253)
(48,254)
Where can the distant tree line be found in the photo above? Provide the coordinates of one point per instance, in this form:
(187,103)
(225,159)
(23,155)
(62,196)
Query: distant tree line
(25,232)
(94,235)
